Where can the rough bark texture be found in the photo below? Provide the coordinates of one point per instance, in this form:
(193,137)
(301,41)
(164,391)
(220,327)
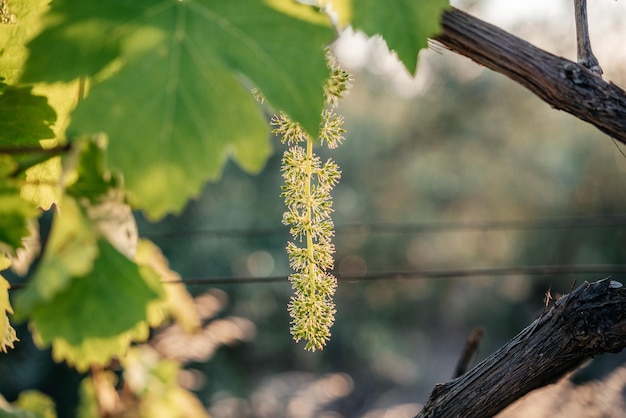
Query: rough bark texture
(562,83)
(591,320)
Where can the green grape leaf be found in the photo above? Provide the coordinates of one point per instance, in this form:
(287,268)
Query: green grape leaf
(30,404)
(26,118)
(7,333)
(70,252)
(405,25)
(88,398)
(166,158)
(15,212)
(40,188)
(80,38)
(13,37)
(93,179)
(97,316)
(173,94)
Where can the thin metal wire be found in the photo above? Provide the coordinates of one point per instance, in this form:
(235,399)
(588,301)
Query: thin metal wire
(594,221)
(577,222)
(539,270)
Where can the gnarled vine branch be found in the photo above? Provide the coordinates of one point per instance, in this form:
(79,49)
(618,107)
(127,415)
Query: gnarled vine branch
(589,321)
(563,84)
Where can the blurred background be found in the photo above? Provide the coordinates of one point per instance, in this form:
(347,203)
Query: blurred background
(455,170)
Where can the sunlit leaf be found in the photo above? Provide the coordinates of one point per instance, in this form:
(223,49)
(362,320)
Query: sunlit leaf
(405,25)
(29,404)
(178,302)
(167,144)
(88,405)
(7,333)
(40,187)
(80,38)
(25,119)
(14,215)
(43,185)
(70,252)
(96,316)
(92,178)
(15,212)
(13,37)
(175,100)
